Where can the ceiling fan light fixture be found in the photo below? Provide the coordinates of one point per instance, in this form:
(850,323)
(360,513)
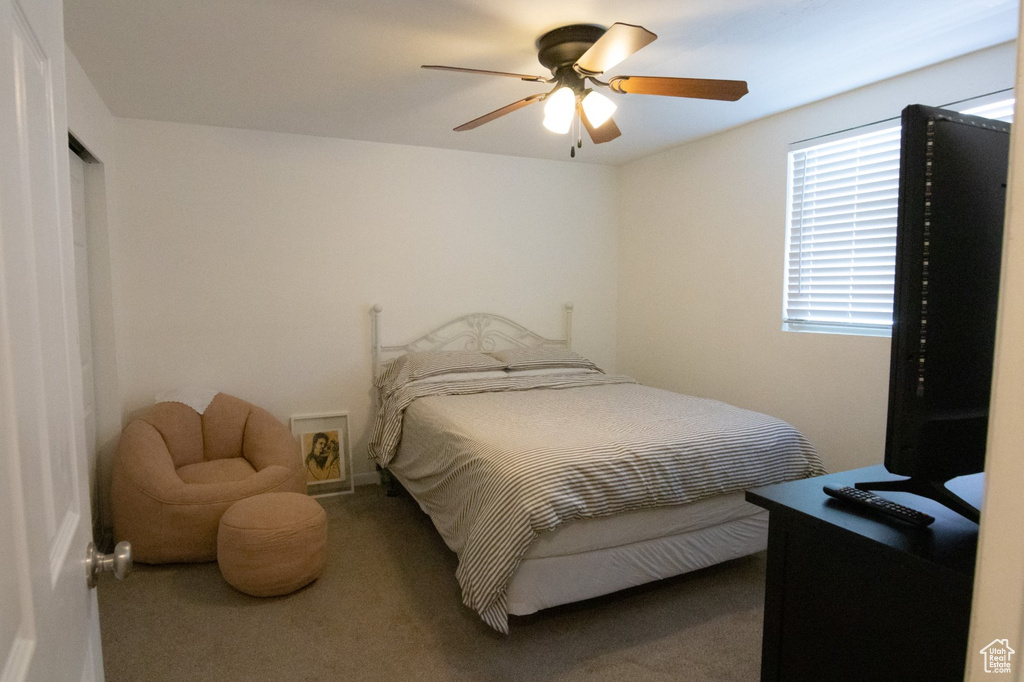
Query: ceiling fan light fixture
(598,108)
(559,110)
(580,52)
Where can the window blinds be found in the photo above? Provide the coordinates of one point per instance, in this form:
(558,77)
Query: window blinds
(841,233)
(841,243)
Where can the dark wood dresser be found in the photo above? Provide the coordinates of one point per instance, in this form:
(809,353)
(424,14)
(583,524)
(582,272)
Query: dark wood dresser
(850,595)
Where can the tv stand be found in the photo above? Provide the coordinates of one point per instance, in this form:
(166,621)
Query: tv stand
(851,596)
(933,490)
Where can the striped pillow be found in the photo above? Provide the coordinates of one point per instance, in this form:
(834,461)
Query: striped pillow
(414,366)
(541,358)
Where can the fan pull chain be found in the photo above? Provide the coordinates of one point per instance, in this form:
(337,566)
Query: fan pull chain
(572,149)
(577,131)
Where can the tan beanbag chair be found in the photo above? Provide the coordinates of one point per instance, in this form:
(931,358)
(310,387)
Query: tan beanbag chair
(176,472)
(272,544)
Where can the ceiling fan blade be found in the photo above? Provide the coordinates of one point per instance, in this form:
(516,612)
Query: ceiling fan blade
(498,113)
(617,43)
(606,133)
(699,88)
(520,76)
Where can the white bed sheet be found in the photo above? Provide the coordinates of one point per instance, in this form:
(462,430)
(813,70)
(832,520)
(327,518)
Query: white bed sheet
(584,535)
(587,558)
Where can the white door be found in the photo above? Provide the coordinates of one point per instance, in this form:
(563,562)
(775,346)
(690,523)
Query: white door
(48,622)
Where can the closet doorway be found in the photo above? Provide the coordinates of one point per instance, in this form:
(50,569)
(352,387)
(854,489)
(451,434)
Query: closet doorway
(100,394)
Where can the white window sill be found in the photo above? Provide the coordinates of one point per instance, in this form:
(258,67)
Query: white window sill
(849,330)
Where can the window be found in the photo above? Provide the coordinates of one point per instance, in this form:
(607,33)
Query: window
(841,226)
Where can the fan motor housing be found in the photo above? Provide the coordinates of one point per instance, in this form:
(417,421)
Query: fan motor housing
(563,46)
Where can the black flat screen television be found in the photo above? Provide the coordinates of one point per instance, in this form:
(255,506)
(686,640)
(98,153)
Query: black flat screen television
(949,238)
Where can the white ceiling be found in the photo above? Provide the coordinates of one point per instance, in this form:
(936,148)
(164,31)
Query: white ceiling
(350,68)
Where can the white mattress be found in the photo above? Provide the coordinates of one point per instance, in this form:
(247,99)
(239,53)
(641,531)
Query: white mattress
(591,557)
(584,535)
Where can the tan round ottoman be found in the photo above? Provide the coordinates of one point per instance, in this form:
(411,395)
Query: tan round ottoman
(272,544)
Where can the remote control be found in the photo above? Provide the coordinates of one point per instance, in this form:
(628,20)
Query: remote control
(880,505)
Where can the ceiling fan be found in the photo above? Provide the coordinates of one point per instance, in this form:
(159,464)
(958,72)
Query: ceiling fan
(579,53)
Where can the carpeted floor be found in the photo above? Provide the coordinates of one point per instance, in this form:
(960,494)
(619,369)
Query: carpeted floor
(388,608)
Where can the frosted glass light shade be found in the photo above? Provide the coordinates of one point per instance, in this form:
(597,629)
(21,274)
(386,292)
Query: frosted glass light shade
(598,108)
(559,110)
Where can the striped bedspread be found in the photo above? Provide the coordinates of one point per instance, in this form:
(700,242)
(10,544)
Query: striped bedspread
(495,462)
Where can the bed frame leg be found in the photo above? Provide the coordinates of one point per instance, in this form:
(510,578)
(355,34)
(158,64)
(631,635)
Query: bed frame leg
(389,482)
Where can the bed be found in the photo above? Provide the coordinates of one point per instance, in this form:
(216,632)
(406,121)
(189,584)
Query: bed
(554,482)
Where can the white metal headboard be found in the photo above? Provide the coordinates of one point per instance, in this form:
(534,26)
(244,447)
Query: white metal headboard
(476,331)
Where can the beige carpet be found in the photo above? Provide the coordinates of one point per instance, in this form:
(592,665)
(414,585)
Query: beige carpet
(388,608)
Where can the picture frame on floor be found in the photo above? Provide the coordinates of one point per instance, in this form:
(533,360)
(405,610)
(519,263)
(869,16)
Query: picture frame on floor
(326,452)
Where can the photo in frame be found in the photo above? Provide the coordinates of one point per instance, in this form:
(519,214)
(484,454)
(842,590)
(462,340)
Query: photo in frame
(326,452)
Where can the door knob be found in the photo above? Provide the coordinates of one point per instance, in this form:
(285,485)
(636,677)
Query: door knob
(120,562)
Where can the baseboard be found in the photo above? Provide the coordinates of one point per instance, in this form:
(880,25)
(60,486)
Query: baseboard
(367,478)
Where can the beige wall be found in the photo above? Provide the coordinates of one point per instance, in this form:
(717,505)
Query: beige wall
(700,272)
(248,261)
